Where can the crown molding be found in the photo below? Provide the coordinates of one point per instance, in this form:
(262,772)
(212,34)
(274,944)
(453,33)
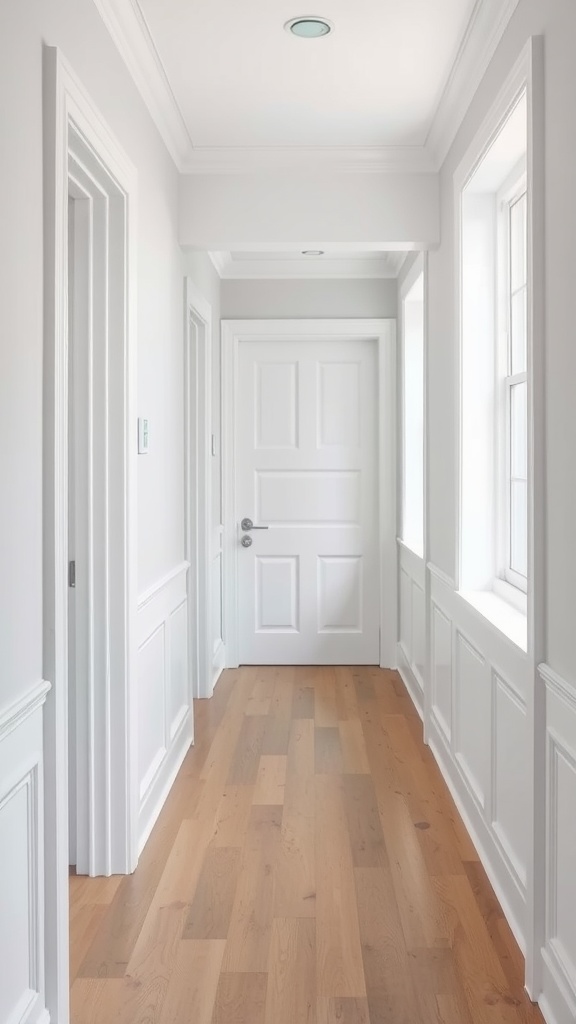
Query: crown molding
(129,30)
(130,33)
(220,261)
(384,265)
(338,159)
(488,22)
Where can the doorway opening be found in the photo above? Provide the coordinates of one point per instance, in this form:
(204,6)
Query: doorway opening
(198,484)
(90,780)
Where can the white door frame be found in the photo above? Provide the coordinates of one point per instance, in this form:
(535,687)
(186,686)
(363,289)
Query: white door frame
(197,482)
(383,332)
(74,128)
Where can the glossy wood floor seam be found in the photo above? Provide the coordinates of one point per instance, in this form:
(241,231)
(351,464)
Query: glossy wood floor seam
(309,867)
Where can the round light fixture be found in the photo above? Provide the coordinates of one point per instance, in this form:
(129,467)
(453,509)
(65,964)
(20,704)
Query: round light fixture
(313,252)
(309,27)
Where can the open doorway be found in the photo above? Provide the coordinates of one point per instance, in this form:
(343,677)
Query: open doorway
(91,796)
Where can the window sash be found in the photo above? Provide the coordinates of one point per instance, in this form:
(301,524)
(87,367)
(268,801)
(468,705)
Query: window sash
(507,361)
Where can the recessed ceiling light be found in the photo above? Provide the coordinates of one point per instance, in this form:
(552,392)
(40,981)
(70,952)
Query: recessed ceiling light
(313,252)
(309,27)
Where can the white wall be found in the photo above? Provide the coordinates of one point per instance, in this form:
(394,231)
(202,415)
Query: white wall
(76,28)
(480,687)
(238,211)
(251,300)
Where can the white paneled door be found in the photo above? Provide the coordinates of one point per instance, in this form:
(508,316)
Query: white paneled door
(306,477)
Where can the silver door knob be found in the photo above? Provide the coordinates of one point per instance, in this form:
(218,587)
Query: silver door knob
(246,541)
(248,525)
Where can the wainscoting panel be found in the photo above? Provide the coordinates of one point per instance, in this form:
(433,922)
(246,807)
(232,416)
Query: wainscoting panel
(441,670)
(478,731)
(472,717)
(165,716)
(559,1001)
(179,691)
(510,802)
(21,861)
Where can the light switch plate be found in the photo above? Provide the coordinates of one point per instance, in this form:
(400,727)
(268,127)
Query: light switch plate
(142,436)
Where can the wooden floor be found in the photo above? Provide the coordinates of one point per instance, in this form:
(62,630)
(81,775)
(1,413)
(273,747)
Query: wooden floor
(309,867)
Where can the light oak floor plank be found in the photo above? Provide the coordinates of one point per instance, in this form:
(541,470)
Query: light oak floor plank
(309,867)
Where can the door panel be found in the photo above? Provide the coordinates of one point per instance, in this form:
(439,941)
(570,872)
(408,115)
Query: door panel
(306,470)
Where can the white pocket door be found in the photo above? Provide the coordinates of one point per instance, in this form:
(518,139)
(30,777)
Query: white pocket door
(306,444)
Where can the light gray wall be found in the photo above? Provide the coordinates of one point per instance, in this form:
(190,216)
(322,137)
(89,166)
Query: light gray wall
(253,300)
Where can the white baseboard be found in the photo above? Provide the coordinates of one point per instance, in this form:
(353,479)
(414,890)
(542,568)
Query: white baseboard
(410,681)
(512,901)
(155,796)
(218,663)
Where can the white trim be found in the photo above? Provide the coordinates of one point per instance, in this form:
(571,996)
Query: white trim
(337,159)
(409,679)
(218,662)
(557,685)
(66,104)
(15,714)
(198,484)
(417,268)
(164,581)
(295,266)
(478,830)
(441,576)
(128,28)
(162,778)
(488,22)
(384,332)
(129,31)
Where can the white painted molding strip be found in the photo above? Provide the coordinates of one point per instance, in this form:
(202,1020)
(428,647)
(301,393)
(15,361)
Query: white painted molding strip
(558,685)
(440,575)
(488,22)
(13,715)
(163,582)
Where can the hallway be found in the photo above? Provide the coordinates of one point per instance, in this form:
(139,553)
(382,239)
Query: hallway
(308,866)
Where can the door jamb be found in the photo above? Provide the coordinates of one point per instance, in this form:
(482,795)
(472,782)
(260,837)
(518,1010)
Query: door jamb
(384,333)
(197,482)
(66,108)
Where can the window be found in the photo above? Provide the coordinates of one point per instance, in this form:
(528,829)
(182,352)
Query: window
(413,413)
(493,201)
(514,386)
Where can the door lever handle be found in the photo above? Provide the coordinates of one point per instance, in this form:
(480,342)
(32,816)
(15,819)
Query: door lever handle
(247,525)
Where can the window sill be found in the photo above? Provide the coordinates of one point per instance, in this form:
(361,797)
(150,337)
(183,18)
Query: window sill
(508,619)
(414,549)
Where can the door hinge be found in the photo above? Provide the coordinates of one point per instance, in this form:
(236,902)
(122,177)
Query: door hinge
(71,574)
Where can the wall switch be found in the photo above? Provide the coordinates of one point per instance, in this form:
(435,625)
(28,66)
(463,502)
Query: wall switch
(142,436)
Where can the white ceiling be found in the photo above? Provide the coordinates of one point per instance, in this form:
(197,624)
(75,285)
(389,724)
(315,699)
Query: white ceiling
(232,92)
(240,80)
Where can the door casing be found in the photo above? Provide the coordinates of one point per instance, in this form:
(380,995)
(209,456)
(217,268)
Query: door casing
(198,483)
(76,136)
(383,332)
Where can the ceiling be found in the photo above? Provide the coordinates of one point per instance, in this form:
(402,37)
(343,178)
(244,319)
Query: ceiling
(240,80)
(231,91)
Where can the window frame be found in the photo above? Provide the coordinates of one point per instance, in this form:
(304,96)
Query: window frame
(417,270)
(509,583)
